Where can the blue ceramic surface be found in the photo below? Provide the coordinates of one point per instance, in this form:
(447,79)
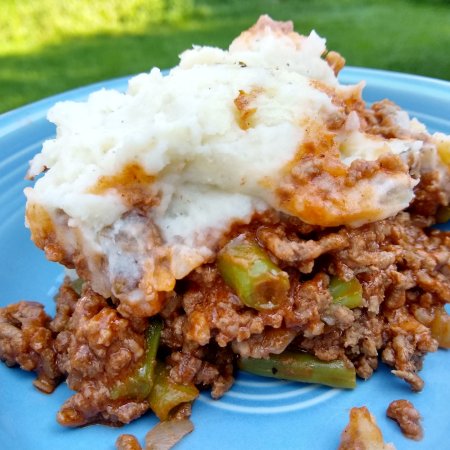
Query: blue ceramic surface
(257,413)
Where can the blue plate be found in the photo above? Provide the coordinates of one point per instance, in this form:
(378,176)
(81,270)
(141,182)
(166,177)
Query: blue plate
(257,413)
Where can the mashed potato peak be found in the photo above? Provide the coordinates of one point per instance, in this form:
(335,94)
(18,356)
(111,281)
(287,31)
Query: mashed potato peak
(139,187)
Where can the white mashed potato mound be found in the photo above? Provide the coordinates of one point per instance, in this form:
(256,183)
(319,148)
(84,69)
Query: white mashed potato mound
(139,187)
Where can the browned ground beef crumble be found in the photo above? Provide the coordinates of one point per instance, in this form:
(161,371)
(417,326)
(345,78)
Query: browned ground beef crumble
(408,418)
(26,339)
(401,263)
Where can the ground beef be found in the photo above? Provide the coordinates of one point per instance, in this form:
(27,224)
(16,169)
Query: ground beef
(66,301)
(293,250)
(207,367)
(396,261)
(408,418)
(387,119)
(428,194)
(401,265)
(212,309)
(96,350)
(88,342)
(26,340)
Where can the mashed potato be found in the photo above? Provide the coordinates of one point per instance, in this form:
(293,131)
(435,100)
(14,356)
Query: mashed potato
(139,187)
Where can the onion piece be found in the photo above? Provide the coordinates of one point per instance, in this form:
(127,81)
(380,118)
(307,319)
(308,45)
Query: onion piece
(362,432)
(166,434)
(440,328)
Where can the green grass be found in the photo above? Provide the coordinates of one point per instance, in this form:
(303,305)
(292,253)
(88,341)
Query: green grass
(49,46)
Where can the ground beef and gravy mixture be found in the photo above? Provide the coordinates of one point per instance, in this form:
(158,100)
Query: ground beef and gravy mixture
(342,220)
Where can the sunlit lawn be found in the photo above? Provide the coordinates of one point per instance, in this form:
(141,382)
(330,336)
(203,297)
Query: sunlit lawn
(49,46)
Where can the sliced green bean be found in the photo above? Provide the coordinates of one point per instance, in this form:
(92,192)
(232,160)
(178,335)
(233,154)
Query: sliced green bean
(443,214)
(77,285)
(166,394)
(249,271)
(302,367)
(139,384)
(346,293)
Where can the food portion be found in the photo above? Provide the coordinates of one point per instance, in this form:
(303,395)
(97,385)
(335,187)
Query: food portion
(141,188)
(362,432)
(407,417)
(244,211)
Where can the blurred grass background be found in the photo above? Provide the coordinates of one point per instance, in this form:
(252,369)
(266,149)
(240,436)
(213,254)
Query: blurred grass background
(49,46)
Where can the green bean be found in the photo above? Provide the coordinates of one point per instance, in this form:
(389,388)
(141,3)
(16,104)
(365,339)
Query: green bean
(443,214)
(166,394)
(346,293)
(302,367)
(248,270)
(77,285)
(139,384)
